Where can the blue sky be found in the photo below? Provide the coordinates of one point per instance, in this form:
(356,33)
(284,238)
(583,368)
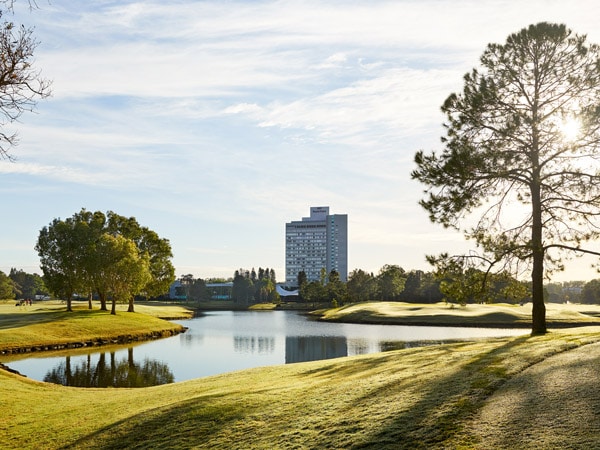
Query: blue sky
(214,123)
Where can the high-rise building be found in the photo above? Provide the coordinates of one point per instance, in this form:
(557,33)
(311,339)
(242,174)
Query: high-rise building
(316,242)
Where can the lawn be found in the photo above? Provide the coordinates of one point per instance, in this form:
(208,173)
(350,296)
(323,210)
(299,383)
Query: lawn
(47,324)
(496,315)
(428,397)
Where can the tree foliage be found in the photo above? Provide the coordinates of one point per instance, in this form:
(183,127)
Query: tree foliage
(27,285)
(7,287)
(508,161)
(111,255)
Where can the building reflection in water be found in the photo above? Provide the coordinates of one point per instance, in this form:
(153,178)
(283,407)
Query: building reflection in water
(314,348)
(251,344)
(108,371)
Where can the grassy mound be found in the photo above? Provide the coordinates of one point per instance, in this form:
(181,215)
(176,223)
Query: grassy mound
(47,325)
(495,315)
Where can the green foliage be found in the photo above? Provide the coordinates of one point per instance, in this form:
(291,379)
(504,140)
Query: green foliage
(7,287)
(80,254)
(591,292)
(252,287)
(361,286)
(390,281)
(27,285)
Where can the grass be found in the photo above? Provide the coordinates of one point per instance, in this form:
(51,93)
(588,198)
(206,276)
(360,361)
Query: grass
(427,397)
(48,324)
(497,315)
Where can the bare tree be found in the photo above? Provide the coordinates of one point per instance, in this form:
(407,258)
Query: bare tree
(21,84)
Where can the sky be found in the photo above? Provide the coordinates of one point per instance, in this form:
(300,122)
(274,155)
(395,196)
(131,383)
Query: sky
(216,122)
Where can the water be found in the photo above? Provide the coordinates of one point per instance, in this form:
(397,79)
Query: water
(226,341)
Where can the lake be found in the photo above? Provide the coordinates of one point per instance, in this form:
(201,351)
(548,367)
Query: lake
(225,341)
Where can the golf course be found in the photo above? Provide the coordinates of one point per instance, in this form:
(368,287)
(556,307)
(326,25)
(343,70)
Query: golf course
(518,392)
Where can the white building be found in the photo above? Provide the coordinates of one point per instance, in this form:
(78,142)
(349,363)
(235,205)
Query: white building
(316,242)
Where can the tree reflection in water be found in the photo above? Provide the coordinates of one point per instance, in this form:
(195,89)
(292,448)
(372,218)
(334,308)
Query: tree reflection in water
(109,372)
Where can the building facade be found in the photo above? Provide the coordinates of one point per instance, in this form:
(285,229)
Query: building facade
(316,242)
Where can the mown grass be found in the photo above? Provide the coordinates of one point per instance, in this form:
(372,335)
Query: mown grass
(496,315)
(412,398)
(48,324)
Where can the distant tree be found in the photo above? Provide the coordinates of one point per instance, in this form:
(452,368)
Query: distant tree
(162,272)
(313,292)
(591,292)
(411,286)
(27,285)
(21,84)
(198,291)
(361,286)
(302,278)
(7,287)
(429,290)
(243,289)
(187,281)
(336,289)
(390,282)
(522,151)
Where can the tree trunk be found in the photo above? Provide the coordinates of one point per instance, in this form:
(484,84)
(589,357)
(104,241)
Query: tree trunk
(130,308)
(113,309)
(90,301)
(69,306)
(102,297)
(538,314)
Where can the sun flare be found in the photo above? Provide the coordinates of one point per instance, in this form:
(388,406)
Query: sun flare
(570,129)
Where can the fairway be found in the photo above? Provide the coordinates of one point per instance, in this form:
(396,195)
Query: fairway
(428,397)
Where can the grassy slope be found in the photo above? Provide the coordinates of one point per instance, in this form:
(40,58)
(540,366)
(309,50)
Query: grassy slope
(413,398)
(503,315)
(49,324)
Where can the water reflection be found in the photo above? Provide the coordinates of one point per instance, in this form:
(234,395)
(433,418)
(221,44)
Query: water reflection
(108,371)
(314,348)
(225,341)
(254,344)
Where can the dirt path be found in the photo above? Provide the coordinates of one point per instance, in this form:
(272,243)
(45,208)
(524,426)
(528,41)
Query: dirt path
(552,405)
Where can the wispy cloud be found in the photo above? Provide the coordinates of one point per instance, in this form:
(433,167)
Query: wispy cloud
(219,121)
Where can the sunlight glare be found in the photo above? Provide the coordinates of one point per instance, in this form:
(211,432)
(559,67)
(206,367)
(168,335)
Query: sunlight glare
(570,129)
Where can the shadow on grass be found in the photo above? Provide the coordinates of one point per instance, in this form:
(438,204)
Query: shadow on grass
(432,421)
(554,404)
(23,319)
(188,424)
(440,412)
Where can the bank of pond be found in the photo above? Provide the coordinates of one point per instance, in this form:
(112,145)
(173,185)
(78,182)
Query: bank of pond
(225,341)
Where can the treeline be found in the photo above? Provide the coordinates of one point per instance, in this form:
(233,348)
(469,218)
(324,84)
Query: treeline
(393,283)
(250,286)
(19,284)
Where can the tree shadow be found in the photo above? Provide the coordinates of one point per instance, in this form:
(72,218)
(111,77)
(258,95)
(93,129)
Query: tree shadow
(439,413)
(555,404)
(188,424)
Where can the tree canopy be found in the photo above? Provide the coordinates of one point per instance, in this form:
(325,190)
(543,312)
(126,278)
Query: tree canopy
(519,169)
(111,255)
